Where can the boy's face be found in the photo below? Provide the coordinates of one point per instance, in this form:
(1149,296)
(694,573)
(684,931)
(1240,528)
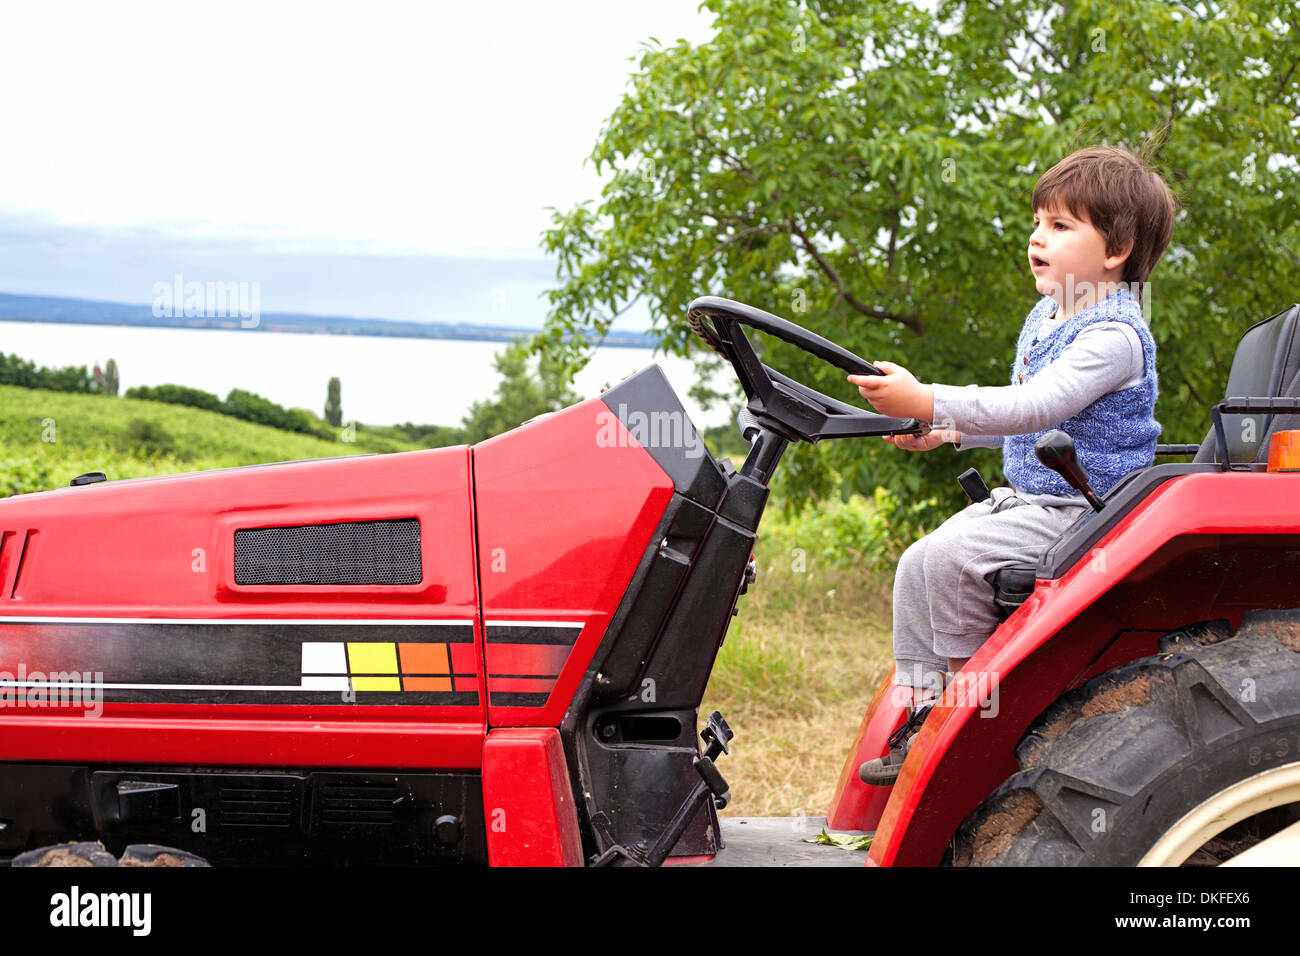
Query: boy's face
(1068,257)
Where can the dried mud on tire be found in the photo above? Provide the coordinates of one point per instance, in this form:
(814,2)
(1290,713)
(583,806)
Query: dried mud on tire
(1109,767)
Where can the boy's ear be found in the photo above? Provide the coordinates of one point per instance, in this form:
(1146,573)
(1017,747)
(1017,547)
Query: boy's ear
(1113,262)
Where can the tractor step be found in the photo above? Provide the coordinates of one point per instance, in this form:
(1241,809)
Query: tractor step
(778,841)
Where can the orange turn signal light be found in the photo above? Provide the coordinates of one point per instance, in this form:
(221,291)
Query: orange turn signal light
(1284,451)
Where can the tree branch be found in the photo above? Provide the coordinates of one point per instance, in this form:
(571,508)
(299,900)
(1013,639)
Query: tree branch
(724,155)
(609,320)
(1031,33)
(910,319)
(768,228)
(1285,80)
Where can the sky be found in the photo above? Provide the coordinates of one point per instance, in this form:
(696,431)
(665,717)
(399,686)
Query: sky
(349,158)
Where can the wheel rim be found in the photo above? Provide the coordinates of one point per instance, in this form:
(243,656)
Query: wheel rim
(1263,791)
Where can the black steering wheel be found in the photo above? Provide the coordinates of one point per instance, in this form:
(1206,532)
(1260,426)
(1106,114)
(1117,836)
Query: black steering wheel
(780,404)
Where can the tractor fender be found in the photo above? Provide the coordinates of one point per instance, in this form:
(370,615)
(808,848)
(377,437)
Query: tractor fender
(1203,546)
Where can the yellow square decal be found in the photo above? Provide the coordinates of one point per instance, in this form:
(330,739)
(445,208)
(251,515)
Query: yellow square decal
(376,683)
(366,658)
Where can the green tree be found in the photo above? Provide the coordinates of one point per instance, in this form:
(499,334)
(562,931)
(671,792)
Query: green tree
(254,408)
(334,403)
(178,395)
(111,381)
(865,169)
(527,388)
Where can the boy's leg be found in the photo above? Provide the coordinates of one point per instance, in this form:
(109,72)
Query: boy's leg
(918,667)
(948,574)
(960,563)
(915,662)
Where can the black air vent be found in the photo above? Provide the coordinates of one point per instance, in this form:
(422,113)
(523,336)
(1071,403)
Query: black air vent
(359,802)
(13,551)
(254,803)
(350,552)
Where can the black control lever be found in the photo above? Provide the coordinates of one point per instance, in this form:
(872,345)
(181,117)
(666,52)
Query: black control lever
(716,736)
(973,484)
(1055,449)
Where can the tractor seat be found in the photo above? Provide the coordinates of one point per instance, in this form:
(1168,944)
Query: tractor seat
(1012,586)
(1265,365)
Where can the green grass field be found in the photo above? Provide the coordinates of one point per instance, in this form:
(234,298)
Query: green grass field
(48,438)
(800,662)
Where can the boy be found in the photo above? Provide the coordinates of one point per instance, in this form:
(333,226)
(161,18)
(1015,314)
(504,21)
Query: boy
(1085,363)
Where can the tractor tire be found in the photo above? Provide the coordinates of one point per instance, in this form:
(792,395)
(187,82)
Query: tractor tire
(1184,758)
(94,854)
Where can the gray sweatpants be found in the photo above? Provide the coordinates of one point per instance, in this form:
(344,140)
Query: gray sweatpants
(943,588)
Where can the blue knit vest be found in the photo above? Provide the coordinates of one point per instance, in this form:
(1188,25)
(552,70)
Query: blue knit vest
(1114,435)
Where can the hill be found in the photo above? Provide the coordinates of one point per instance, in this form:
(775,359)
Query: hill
(47,438)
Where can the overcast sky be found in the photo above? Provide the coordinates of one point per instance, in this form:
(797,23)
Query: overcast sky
(379,128)
(436,127)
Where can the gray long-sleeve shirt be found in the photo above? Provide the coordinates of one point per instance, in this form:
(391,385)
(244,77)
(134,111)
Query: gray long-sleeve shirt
(1103,358)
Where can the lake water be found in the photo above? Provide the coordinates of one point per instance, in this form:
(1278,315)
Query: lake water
(384,380)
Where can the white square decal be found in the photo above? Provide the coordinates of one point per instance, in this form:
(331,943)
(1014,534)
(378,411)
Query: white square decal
(322,657)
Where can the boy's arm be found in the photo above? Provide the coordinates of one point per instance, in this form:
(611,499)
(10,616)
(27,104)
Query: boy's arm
(965,441)
(1098,361)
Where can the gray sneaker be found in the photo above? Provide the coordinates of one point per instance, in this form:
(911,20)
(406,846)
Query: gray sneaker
(883,771)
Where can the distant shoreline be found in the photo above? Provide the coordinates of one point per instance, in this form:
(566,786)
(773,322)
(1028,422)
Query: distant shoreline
(66,311)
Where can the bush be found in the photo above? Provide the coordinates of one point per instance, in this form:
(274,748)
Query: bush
(307,422)
(21,476)
(178,395)
(867,533)
(149,438)
(240,403)
(73,378)
(428,436)
(252,407)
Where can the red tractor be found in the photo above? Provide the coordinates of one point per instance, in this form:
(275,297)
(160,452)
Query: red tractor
(496,654)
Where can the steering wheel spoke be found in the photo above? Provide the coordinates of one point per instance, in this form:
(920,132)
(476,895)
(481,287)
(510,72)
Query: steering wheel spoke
(778,402)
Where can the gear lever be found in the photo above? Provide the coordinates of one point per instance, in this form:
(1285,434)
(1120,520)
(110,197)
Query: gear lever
(1055,449)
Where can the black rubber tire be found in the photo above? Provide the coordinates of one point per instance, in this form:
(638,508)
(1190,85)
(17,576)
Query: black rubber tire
(94,854)
(66,854)
(1112,765)
(155,855)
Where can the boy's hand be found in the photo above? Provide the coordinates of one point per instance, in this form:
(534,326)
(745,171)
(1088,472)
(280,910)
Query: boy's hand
(897,393)
(923,442)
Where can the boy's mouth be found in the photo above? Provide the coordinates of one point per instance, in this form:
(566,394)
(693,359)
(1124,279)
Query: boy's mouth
(1037,262)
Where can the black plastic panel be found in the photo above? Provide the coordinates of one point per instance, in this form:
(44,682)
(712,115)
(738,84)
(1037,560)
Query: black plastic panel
(249,816)
(650,411)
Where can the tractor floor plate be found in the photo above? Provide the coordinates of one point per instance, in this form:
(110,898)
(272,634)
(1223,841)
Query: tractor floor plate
(778,841)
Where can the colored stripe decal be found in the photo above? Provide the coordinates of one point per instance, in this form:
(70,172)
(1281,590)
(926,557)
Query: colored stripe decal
(290,660)
(521,632)
(530,684)
(524,659)
(331,621)
(539,659)
(240,660)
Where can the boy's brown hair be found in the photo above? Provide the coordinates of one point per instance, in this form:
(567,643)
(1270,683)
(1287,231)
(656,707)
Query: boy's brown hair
(1121,196)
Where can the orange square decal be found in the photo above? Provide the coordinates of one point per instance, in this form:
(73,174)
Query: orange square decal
(424,659)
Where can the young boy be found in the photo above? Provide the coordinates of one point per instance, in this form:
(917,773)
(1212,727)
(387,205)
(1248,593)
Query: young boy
(1085,363)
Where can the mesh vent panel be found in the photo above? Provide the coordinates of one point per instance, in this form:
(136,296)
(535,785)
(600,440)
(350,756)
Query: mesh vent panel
(352,552)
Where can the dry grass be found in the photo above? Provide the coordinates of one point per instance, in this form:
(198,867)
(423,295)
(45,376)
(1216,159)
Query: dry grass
(799,666)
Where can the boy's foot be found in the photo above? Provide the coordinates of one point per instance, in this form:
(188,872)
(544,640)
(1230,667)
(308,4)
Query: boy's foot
(883,771)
